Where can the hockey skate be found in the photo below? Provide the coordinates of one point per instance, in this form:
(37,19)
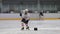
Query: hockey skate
(22,28)
(27,28)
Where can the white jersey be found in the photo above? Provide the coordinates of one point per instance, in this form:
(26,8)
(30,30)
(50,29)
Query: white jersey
(27,17)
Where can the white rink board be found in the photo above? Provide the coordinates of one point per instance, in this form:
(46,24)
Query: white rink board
(32,15)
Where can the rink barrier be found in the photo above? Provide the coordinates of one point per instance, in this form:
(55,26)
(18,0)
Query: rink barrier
(30,19)
(33,16)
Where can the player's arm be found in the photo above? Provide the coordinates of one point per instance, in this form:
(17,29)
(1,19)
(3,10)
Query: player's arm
(20,14)
(28,17)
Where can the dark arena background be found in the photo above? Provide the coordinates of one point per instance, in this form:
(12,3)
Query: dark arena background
(48,23)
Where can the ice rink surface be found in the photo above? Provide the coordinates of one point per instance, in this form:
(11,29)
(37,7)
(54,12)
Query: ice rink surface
(44,27)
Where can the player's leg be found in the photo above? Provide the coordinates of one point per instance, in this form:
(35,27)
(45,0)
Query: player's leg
(26,23)
(27,27)
(22,24)
(41,17)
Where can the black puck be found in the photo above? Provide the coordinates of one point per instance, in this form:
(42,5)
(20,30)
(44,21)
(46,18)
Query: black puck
(35,29)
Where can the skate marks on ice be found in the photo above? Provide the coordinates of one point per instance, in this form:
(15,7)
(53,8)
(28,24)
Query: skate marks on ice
(17,31)
(34,23)
(45,24)
(44,27)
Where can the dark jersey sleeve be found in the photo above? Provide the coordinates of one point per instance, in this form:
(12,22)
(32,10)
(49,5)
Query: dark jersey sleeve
(20,14)
(41,13)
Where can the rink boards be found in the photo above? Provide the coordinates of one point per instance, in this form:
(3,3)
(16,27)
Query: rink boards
(33,16)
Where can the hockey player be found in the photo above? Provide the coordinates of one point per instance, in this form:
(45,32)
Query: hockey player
(25,19)
(41,15)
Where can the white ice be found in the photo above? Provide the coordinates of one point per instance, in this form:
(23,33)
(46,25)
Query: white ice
(44,27)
